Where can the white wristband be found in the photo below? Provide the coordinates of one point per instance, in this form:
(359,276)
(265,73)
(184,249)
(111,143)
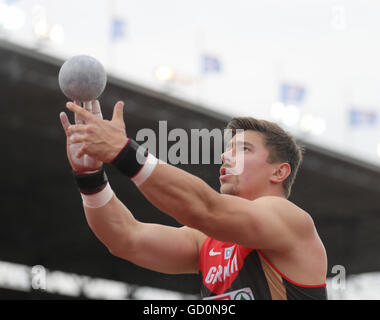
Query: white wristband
(98,200)
(146,170)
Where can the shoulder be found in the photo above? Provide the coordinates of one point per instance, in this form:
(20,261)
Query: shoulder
(291,214)
(280,205)
(304,259)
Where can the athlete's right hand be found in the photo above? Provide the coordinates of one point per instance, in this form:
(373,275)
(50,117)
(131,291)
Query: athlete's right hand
(85,163)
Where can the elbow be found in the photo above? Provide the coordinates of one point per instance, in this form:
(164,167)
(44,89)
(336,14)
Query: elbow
(119,253)
(196,221)
(195,206)
(121,250)
(201,217)
(211,217)
(113,252)
(112,249)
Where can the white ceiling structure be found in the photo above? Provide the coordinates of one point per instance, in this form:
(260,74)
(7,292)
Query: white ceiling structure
(323,55)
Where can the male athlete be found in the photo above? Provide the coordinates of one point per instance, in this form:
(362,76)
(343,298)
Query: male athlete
(248,241)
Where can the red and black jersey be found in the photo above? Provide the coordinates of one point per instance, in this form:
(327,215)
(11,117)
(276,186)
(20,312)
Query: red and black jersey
(233,272)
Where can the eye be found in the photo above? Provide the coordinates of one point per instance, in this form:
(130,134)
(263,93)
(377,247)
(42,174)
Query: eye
(246,149)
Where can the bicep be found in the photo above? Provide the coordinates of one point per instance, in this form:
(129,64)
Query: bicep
(265,223)
(163,248)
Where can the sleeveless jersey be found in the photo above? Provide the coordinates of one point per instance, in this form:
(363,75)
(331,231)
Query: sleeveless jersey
(233,272)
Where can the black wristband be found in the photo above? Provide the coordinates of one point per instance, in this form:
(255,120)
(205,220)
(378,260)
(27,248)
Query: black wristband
(131,158)
(91,183)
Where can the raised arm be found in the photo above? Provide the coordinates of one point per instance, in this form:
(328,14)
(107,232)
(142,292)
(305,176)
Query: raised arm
(157,247)
(266,223)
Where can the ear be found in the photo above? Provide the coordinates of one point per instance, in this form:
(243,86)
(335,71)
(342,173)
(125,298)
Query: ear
(280,172)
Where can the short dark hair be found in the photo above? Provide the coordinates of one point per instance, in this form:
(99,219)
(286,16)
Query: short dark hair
(281,145)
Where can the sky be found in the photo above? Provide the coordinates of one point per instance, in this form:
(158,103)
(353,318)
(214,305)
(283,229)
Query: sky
(325,49)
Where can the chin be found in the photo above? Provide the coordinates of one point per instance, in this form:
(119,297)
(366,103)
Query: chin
(228,189)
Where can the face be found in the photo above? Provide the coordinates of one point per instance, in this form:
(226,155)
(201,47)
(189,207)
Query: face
(245,171)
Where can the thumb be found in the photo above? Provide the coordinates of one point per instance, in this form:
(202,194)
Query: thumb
(118,112)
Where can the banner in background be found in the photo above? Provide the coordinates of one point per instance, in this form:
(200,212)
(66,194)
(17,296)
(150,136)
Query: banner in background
(292,94)
(210,64)
(362,118)
(118,29)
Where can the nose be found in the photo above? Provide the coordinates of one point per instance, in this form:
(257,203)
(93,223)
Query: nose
(227,157)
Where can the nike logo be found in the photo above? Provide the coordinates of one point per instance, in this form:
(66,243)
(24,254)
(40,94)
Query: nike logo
(213,253)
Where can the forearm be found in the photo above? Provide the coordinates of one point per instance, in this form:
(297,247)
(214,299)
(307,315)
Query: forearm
(107,217)
(156,247)
(113,224)
(175,192)
(181,195)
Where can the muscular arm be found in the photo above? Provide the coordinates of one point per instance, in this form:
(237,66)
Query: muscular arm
(157,247)
(266,223)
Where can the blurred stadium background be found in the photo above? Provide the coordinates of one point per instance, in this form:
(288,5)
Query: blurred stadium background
(311,66)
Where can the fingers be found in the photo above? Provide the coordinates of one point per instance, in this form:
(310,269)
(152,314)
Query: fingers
(118,112)
(78,128)
(65,122)
(80,132)
(77,138)
(87,105)
(96,110)
(78,119)
(81,152)
(81,113)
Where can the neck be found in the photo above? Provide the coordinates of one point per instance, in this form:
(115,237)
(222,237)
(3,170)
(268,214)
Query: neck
(273,192)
